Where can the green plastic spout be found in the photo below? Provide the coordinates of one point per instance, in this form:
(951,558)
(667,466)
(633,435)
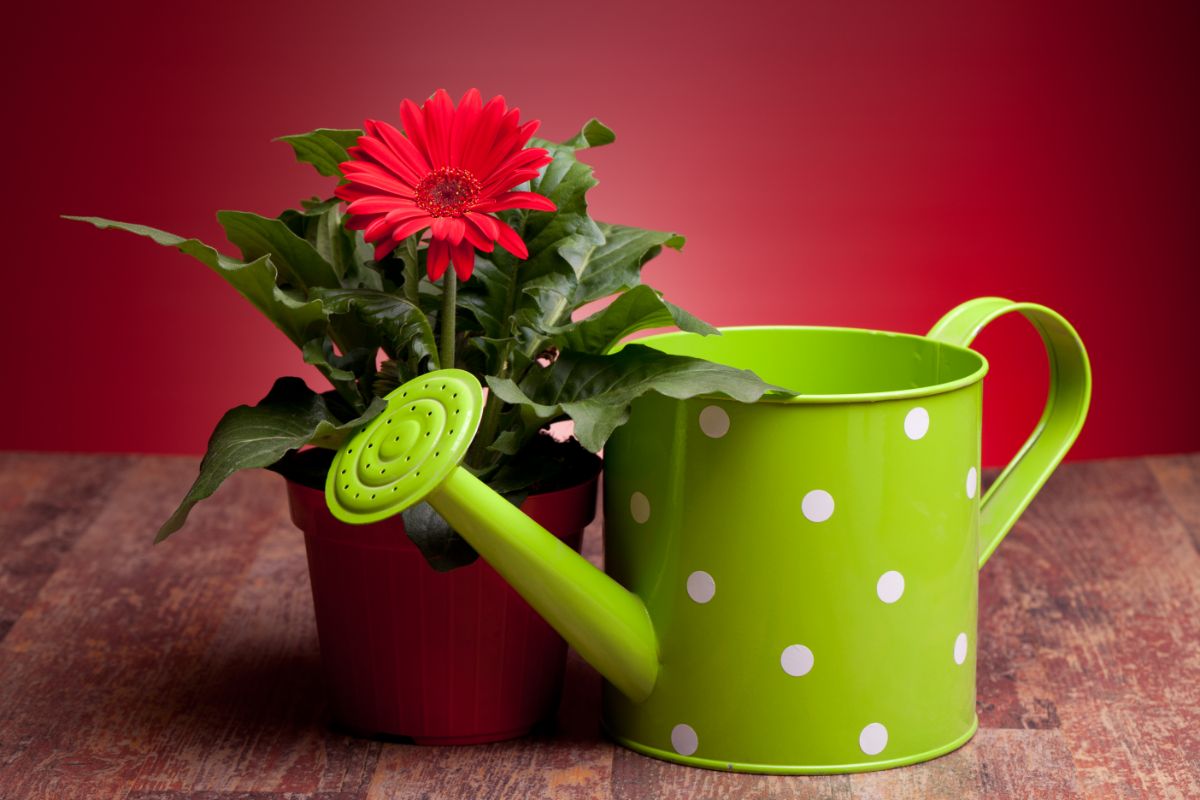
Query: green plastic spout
(412,451)
(607,624)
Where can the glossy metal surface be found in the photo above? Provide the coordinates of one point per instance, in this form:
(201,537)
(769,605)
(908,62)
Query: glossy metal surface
(811,563)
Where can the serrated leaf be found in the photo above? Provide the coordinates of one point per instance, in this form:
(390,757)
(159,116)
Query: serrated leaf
(616,264)
(296,259)
(596,391)
(553,298)
(324,148)
(399,324)
(289,417)
(299,319)
(637,309)
(561,239)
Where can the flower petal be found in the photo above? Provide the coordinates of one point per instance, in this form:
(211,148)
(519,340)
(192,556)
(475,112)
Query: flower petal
(410,226)
(511,242)
(414,125)
(501,178)
(360,222)
(483,138)
(488,226)
(403,148)
(505,142)
(439,116)
(384,156)
(449,228)
(463,256)
(383,248)
(374,176)
(379,204)
(437,258)
(465,119)
(385,225)
(537,202)
(476,235)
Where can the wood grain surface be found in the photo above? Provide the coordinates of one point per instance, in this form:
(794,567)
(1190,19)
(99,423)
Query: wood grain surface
(190,669)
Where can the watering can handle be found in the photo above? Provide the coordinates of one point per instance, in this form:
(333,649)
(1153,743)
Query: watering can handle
(1066,408)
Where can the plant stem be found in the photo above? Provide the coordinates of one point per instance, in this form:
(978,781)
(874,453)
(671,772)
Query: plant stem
(412,276)
(491,409)
(449,296)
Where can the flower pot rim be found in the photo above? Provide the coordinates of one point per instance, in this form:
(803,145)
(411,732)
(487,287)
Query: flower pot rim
(594,468)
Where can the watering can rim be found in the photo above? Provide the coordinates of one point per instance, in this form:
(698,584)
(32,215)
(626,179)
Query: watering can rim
(845,397)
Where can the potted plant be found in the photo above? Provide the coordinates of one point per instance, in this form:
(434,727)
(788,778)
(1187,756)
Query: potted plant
(458,241)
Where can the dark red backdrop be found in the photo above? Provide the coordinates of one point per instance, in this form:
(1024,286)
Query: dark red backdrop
(859,164)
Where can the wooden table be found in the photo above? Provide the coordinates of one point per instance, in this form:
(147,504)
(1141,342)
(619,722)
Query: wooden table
(190,669)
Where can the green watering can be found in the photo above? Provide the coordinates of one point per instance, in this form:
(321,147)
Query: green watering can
(792,583)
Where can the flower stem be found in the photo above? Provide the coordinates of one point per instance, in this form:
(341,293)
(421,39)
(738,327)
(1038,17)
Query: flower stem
(449,296)
(476,455)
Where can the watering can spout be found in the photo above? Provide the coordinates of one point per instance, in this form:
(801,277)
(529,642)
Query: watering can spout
(606,623)
(411,452)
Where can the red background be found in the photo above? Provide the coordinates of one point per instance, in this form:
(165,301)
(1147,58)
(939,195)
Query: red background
(833,163)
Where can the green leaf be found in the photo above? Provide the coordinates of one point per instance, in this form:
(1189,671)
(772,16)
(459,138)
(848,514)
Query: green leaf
(637,309)
(299,319)
(594,134)
(484,296)
(596,391)
(324,148)
(289,417)
(552,298)
(315,206)
(399,324)
(441,545)
(298,261)
(347,367)
(616,264)
(560,239)
(320,224)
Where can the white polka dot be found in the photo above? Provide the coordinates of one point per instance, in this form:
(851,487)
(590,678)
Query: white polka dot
(873,739)
(890,586)
(701,587)
(817,505)
(639,507)
(684,739)
(916,423)
(972,482)
(960,648)
(714,422)
(796,660)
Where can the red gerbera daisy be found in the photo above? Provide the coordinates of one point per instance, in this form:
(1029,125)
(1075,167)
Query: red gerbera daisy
(449,171)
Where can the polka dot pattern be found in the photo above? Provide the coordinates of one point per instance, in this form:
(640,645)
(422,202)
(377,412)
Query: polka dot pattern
(701,587)
(714,421)
(797,660)
(817,505)
(684,739)
(890,586)
(639,507)
(916,423)
(873,739)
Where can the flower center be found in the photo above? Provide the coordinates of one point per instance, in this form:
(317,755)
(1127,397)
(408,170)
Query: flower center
(448,192)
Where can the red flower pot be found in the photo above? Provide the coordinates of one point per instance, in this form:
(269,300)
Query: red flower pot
(443,657)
